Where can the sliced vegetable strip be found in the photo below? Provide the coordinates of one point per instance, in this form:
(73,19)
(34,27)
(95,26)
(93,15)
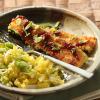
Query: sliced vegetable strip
(61,45)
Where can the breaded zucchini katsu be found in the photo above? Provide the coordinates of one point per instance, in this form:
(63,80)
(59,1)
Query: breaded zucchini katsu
(64,46)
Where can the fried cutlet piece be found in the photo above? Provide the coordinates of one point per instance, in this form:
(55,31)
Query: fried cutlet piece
(75,57)
(63,46)
(85,43)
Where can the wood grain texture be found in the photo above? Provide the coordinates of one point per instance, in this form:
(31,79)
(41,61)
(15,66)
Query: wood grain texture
(88,8)
(9,3)
(20,3)
(1,5)
(62,3)
(43,3)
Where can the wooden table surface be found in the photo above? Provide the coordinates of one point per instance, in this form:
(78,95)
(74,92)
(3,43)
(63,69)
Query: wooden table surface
(88,8)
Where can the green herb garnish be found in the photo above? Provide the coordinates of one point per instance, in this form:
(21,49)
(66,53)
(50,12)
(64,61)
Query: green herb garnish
(9,45)
(18,21)
(29,25)
(22,65)
(57,25)
(55,47)
(37,38)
